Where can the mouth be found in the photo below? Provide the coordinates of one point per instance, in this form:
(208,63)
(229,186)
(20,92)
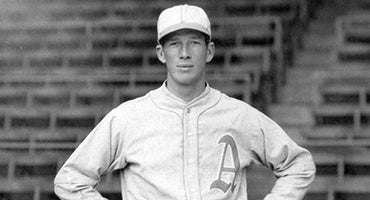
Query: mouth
(185,66)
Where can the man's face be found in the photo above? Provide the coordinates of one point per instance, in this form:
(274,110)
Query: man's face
(185,53)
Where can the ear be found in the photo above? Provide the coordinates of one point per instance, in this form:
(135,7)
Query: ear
(210,51)
(160,53)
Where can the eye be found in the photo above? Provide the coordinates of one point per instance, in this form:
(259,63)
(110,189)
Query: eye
(173,43)
(195,42)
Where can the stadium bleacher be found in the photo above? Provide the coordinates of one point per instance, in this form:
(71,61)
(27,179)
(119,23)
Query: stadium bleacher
(353,38)
(64,64)
(329,86)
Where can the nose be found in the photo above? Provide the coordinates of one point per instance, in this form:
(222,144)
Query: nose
(184,52)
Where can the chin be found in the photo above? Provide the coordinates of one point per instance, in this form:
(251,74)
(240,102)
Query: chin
(187,80)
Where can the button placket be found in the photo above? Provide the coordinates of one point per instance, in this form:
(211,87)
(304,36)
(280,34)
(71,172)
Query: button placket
(191,155)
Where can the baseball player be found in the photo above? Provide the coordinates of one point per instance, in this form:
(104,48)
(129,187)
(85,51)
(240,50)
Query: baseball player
(185,140)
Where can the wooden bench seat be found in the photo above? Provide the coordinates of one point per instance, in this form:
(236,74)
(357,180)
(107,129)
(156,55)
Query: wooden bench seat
(49,97)
(13,98)
(30,176)
(332,132)
(342,87)
(353,41)
(344,116)
(31,141)
(344,93)
(52,119)
(340,172)
(29,118)
(97,97)
(77,118)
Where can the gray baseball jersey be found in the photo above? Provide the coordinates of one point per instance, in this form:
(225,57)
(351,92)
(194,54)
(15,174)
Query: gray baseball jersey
(166,148)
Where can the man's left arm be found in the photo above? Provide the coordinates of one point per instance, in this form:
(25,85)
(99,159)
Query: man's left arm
(291,164)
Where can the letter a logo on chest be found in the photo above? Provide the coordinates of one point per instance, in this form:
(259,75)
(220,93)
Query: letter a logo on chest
(231,146)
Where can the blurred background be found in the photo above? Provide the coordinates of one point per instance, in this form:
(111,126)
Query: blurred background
(65,63)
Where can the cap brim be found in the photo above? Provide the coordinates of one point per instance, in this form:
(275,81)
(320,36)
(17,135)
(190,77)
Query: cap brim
(177,27)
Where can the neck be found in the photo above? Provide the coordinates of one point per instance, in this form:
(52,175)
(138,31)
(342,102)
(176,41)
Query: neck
(186,92)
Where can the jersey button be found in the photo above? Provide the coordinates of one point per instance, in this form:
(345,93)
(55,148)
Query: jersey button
(191,161)
(190,133)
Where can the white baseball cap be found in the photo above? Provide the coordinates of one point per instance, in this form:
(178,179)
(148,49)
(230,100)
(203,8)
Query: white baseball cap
(183,17)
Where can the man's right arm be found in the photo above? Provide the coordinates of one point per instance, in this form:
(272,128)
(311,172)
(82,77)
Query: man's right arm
(95,156)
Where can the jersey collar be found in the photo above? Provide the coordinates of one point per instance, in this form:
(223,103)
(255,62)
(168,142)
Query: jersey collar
(164,99)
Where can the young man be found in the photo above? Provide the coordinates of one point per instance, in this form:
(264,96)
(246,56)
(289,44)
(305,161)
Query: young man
(185,140)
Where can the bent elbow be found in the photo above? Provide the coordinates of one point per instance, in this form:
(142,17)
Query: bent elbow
(60,191)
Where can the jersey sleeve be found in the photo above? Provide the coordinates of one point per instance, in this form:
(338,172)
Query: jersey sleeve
(95,156)
(291,164)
